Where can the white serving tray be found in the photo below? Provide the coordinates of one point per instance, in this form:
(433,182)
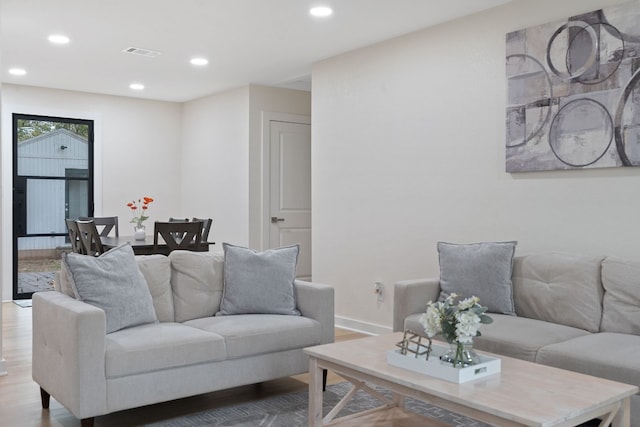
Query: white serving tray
(436,368)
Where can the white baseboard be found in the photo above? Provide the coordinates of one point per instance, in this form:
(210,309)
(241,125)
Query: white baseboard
(3,368)
(360,326)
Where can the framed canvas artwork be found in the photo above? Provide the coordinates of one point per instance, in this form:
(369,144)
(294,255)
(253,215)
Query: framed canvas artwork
(573,92)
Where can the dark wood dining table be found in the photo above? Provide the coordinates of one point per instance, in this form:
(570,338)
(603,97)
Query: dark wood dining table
(145,247)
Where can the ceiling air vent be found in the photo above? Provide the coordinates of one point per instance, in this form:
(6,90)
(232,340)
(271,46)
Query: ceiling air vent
(143,52)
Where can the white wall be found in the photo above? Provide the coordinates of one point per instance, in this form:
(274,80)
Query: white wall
(215,152)
(3,364)
(138,152)
(408,149)
(222,158)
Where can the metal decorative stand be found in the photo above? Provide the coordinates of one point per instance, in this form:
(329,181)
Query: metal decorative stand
(413,343)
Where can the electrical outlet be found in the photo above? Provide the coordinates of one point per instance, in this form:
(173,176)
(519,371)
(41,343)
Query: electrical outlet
(378,289)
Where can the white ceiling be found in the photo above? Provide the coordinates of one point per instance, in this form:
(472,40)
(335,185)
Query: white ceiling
(266,42)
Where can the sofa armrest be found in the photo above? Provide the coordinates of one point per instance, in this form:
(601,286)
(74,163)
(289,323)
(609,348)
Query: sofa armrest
(316,301)
(68,359)
(412,297)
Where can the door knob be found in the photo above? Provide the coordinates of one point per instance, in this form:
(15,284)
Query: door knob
(275,219)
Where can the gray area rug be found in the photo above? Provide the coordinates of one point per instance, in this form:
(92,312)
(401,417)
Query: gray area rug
(290,410)
(24,303)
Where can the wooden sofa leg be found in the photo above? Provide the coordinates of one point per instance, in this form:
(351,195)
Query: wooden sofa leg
(87,422)
(45,398)
(324,380)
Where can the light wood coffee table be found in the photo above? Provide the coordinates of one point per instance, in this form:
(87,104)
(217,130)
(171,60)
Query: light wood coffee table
(522,394)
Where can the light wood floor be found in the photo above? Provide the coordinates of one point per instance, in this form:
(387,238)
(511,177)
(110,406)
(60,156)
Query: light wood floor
(20,396)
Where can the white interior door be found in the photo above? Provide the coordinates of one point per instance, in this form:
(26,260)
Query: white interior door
(290,190)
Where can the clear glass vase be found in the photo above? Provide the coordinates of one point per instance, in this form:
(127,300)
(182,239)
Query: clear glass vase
(460,355)
(139,232)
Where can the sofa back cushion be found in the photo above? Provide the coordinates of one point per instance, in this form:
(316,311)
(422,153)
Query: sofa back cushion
(196,280)
(621,303)
(62,281)
(156,270)
(559,288)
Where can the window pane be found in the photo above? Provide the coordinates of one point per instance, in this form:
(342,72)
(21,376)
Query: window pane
(53,149)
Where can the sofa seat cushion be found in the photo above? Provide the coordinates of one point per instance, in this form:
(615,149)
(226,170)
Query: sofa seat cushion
(159,346)
(512,336)
(253,334)
(521,337)
(607,355)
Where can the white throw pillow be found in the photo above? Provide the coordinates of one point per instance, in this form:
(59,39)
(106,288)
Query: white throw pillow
(479,269)
(259,282)
(113,283)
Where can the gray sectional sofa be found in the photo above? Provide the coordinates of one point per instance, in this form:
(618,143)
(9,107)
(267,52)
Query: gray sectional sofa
(186,351)
(580,313)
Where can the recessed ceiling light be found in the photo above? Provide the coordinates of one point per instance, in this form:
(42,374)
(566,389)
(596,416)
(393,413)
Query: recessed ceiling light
(58,39)
(17,71)
(199,61)
(136,86)
(321,11)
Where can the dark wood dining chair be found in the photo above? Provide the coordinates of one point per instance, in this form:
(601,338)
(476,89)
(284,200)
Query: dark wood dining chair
(74,237)
(172,219)
(206,227)
(91,243)
(178,235)
(104,224)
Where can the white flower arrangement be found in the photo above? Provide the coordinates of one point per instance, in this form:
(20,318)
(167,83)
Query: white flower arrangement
(457,323)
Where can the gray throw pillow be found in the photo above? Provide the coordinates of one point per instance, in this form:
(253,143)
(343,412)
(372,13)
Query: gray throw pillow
(479,269)
(259,282)
(113,283)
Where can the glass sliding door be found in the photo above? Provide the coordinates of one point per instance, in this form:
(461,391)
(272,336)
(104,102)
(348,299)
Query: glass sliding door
(52,181)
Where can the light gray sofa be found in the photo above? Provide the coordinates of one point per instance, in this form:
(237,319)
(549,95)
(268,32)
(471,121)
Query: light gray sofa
(189,351)
(573,312)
